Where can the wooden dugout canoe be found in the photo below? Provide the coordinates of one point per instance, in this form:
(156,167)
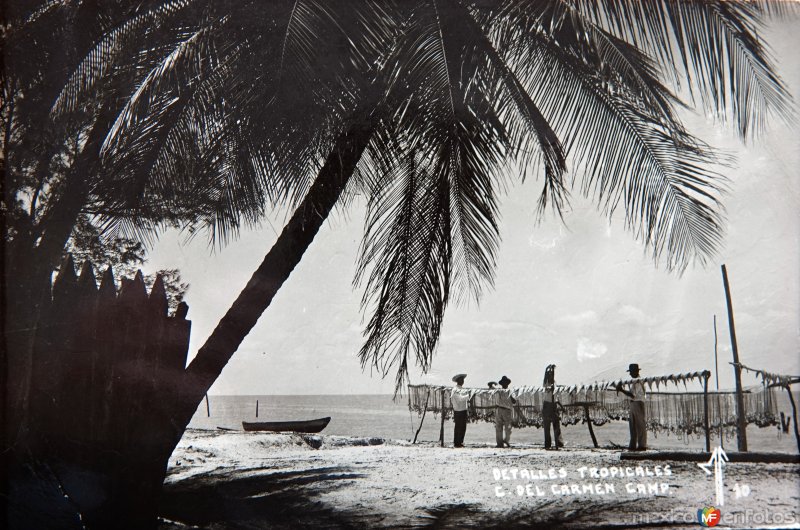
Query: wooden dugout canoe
(307,426)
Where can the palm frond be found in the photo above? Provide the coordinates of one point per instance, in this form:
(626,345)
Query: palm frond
(620,65)
(120,42)
(244,95)
(444,143)
(526,121)
(777,8)
(629,157)
(41,49)
(179,67)
(728,68)
(448,117)
(407,242)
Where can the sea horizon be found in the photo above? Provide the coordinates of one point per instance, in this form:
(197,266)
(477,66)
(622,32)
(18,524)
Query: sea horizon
(379,416)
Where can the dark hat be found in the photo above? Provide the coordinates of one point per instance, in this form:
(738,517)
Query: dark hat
(459,376)
(633,367)
(504,380)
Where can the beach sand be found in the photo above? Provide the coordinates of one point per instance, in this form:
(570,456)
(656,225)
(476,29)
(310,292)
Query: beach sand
(222,479)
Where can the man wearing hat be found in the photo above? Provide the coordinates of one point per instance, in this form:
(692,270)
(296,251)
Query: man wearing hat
(502,415)
(637,420)
(550,409)
(459,398)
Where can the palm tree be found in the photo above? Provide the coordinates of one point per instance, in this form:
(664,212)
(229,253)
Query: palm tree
(225,110)
(462,88)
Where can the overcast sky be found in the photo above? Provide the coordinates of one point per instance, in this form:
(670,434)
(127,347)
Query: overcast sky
(583,296)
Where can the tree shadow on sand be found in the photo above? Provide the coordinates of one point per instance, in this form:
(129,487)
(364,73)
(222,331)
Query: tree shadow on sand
(545,516)
(263,500)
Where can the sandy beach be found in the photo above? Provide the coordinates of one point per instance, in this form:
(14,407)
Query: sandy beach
(223,479)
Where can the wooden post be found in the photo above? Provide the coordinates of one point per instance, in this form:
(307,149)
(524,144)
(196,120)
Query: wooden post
(741,419)
(589,423)
(716,359)
(441,429)
(424,411)
(706,375)
(794,416)
(256,408)
(208,407)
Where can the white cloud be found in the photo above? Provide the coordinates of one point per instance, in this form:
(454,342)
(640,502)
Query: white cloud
(631,314)
(501,325)
(585,318)
(543,244)
(588,350)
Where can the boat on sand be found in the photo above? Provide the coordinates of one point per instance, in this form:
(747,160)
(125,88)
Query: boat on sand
(306,426)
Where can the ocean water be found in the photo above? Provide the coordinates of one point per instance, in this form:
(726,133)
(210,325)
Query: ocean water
(380,416)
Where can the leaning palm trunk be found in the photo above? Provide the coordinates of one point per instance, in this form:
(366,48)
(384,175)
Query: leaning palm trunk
(277,265)
(262,287)
(243,314)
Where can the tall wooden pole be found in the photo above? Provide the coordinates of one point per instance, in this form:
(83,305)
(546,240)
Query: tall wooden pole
(716,360)
(705,411)
(741,420)
(589,423)
(794,416)
(441,428)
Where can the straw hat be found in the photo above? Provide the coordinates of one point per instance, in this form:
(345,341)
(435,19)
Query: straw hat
(459,376)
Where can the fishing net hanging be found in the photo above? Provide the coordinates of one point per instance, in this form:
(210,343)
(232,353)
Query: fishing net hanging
(669,412)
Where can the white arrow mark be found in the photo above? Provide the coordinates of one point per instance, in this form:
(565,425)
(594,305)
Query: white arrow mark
(718,459)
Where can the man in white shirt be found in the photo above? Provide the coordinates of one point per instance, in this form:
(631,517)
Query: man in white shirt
(503,413)
(459,398)
(637,420)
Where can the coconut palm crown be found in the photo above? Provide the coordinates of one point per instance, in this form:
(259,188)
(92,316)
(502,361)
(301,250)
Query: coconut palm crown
(206,114)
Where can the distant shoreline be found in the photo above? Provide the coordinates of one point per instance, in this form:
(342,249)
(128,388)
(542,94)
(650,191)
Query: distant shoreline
(378,415)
